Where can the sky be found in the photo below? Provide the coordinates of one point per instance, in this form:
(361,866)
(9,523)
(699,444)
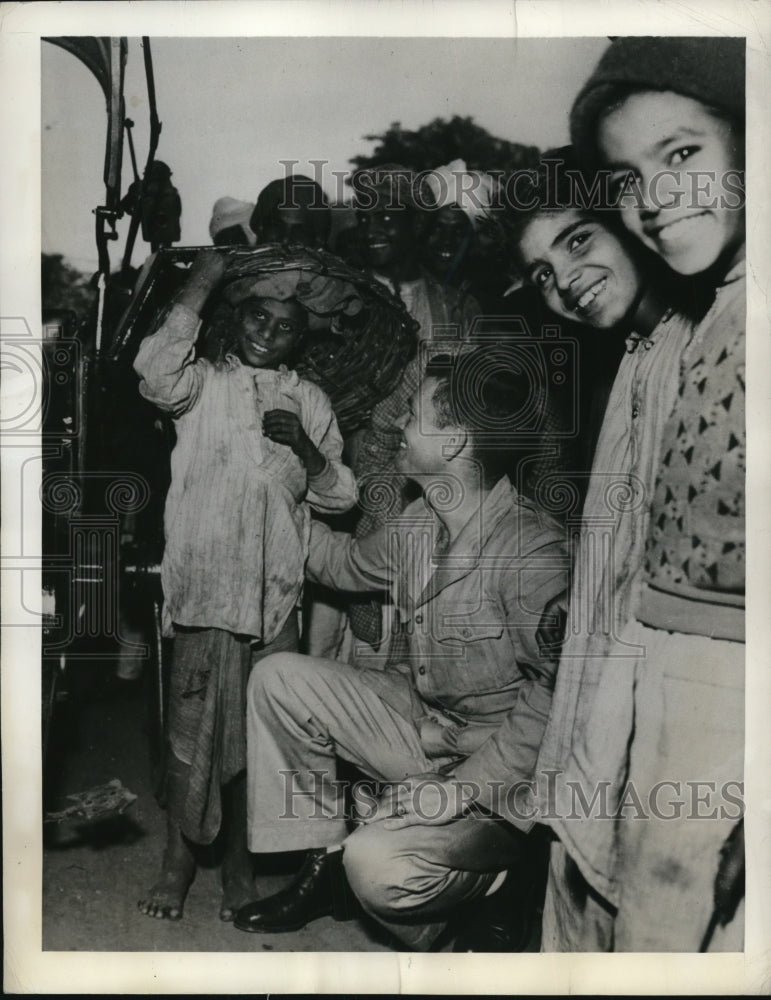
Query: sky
(233,108)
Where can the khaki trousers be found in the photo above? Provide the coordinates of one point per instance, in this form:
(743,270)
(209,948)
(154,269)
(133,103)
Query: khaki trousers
(303,713)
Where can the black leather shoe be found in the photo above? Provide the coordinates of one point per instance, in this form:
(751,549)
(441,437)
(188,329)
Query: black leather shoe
(502,922)
(505,921)
(319,890)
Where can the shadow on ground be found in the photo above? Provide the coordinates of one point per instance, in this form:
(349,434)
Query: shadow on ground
(95,871)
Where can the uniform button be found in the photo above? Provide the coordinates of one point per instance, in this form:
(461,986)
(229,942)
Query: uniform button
(419,619)
(466,633)
(636,411)
(421,669)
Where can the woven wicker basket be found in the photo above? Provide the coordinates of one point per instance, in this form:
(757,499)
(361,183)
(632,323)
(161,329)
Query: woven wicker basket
(359,365)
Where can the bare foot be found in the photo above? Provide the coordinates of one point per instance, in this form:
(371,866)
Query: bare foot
(167,896)
(237,871)
(237,890)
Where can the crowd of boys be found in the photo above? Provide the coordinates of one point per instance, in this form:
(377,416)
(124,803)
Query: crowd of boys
(433,658)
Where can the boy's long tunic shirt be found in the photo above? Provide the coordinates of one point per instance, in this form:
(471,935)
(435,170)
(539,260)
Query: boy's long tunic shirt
(597,703)
(611,548)
(471,617)
(237,520)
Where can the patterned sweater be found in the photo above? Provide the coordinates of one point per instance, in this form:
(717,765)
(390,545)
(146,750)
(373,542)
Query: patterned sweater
(696,539)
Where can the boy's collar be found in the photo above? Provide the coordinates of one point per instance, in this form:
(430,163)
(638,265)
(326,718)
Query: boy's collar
(648,313)
(233,361)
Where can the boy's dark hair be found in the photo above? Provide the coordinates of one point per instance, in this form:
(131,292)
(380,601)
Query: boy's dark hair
(392,185)
(559,183)
(486,393)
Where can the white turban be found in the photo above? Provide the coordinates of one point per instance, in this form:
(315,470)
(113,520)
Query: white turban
(470,190)
(229,212)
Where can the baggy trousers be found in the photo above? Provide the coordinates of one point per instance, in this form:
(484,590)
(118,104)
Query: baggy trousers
(686,764)
(302,713)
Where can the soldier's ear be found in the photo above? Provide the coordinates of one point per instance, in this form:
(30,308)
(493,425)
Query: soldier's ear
(456,444)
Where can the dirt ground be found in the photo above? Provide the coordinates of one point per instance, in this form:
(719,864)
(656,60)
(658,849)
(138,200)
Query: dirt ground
(94,872)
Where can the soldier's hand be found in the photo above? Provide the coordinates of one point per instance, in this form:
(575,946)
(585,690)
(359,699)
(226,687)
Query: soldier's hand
(550,633)
(427,799)
(438,739)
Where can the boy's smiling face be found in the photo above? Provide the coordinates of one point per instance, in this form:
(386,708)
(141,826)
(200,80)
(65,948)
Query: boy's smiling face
(582,270)
(448,236)
(268,331)
(388,236)
(683,165)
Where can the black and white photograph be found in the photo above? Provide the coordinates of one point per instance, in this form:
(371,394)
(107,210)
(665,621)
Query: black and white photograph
(377,455)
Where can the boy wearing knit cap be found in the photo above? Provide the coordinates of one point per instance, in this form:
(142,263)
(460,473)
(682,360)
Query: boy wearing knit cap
(656,723)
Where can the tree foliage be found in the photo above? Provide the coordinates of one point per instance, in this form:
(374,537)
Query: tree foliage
(441,141)
(64,287)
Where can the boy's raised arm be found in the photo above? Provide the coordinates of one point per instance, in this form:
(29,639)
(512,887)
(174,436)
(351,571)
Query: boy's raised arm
(165,360)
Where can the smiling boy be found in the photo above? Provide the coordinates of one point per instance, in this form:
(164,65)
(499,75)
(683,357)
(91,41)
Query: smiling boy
(581,267)
(664,704)
(694,220)
(256,448)
(586,268)
(389,208)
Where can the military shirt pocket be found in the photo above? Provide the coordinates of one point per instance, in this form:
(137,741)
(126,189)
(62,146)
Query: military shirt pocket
(477,646)
(463,622)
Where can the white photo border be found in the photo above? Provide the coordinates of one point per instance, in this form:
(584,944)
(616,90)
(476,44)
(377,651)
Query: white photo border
(30,970)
